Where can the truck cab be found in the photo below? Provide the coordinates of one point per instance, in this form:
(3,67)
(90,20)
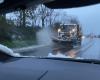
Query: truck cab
(68,33)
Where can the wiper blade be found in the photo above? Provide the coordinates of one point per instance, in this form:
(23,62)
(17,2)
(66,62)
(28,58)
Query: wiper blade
(81,60)
(91,61)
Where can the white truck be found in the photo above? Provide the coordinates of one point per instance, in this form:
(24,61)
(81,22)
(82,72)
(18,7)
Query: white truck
(70,33)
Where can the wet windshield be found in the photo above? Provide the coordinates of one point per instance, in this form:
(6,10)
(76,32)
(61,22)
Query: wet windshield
(43,32)
(68,27)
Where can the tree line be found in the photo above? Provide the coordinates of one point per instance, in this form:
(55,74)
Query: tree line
(24,24)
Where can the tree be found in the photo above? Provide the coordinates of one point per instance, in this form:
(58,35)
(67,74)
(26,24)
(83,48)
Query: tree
(21,17)
(5,29)
(44,14)
(26,19)
(32,16)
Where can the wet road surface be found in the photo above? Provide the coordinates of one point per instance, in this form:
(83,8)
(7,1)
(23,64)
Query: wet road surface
(93,51)
(89,49)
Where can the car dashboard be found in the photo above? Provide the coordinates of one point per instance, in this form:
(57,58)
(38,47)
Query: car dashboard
(48,69)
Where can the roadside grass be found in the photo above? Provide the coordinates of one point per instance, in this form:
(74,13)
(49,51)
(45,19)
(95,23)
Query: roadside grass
(19,43)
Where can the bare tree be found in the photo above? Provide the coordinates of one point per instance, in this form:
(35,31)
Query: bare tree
(45,14)
(22,17)
(33,16)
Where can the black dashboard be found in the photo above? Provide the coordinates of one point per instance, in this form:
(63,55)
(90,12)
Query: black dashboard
(48,69)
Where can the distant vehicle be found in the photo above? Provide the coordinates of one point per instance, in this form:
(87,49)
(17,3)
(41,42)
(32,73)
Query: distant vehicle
(68,33)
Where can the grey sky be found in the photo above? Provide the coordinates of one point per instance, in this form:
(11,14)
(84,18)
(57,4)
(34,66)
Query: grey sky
(89,17)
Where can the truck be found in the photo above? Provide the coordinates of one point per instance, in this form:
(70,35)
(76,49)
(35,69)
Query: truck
(68,33)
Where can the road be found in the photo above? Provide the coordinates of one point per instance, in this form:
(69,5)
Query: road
(89,49)
(93,52)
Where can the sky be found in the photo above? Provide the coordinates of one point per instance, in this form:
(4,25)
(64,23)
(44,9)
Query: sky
(89,18)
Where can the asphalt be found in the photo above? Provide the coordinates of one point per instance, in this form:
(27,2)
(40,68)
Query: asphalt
(89,49)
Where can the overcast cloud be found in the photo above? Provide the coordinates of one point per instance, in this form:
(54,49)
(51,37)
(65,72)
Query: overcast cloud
(89,17)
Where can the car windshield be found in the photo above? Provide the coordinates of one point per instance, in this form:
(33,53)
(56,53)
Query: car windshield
(40,32)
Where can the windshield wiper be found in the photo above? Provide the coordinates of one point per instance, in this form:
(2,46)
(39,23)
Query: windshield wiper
(91,61)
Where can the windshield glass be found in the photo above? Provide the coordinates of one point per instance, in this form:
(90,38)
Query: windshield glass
(44,32)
